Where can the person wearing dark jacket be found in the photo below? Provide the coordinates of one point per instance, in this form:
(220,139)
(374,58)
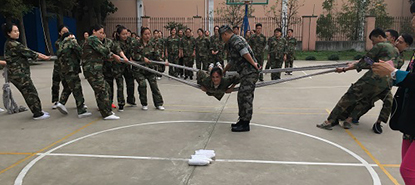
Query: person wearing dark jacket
(403,119)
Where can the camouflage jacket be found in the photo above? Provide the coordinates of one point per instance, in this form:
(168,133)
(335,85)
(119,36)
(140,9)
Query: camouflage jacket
(237,45)
(216,44)
(401,61)
(172,45)
(202,46)
(381,51)
(258,43)
(159,45)
(126,46)
(69,55)
(277,47)
(291,45)
(188,45)
(94,52)
(140,50)
(16,56)
(205,80)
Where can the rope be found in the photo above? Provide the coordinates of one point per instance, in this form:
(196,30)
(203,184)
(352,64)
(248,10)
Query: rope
(8,100)
(325,66)
(136,64)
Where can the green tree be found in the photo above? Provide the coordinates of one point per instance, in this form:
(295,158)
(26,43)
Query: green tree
(233,14)
(377,8)
(15,10)
(351,18)
(326,26)
(275,11)
(177,25)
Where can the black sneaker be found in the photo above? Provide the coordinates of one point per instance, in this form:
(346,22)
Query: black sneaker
(346,125)
(185,77)
(377,128)
(355,121)
(191,77)
(120,108)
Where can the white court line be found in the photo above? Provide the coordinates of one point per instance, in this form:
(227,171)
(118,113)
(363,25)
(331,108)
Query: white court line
(216,160)
(25,170)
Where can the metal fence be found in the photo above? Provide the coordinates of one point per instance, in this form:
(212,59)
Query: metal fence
(402,25)
(268,24)
(129,22)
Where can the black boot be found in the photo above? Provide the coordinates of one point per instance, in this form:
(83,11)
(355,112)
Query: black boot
(236,124)
(242,127)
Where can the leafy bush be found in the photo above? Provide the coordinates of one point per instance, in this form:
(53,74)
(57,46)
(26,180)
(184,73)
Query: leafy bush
(310,58)
(334,57)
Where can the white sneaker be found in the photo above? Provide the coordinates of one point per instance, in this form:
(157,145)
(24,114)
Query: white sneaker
(85,107)
(144,107)
(45,116)
(160,108)
(45,112)
(55,105)
(158,78)
(112,117)
(1,110)
(61,108)
(84,115)
(219,65)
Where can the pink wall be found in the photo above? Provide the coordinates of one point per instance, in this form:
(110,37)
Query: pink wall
(188,8)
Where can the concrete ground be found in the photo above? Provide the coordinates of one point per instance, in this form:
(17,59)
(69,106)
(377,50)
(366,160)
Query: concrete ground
(284,145)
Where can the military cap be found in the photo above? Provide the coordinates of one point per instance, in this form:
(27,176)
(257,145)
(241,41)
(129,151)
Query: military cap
(223,29)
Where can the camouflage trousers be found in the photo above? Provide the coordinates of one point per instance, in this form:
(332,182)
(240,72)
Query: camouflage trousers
(357,92)
(29,92)
(129,81)
(188,62)
(141,77)
(202,62)
(260,59)
(101,89)
(366,104)
(56,81)
(74,86)
(289,62)
(174,59)
(114,71)
(246,96)
(180,72)
(276,63)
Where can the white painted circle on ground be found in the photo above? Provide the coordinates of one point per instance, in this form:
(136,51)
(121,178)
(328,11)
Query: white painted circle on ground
(25,170)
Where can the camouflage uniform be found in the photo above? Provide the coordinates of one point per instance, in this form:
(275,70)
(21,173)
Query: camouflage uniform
(277,50)
(56,80)
(148,51)
(258,43)
(18,70)
(188,46)
(368,86)
(113,71)
(216,44)
(94,55)
(291,45)
(248,75)
(386,96)
(172,46)
(202,52)
(160,43)
(205,80)
(128,72)
(69,55)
